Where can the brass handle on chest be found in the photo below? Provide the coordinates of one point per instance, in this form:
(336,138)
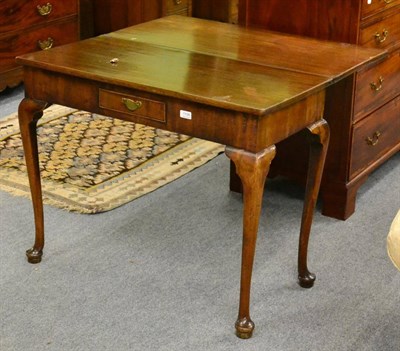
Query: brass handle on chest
(131,105)
(377,86)
(381,37)
(44,10)
(46,44)
(372,141)
(178,2)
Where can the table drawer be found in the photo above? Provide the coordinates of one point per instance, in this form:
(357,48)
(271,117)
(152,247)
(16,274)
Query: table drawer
(371,7)
(132,105)
(19,14)
(180,7)
(382,34)
(376,86)
(374,136)
(17,44)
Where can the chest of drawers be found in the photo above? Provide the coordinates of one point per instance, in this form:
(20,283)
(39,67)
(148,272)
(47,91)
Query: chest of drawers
(109,16)
(363,111)
(177,7)
(27,26)
(222,10)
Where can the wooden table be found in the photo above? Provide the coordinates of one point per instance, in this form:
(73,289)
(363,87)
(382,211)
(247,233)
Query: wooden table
(247,89)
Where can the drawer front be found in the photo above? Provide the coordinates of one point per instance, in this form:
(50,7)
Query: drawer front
(376,86)
(374,136)
(372,7)
(17,44)
(18,14)
(177,7)
(132,105)
(384,34)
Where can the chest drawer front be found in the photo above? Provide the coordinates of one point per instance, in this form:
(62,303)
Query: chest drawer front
(17,44)
(374,136)
(132,105)
(371,7)
(17,14)
(177,7)
(384,34)
(376,86)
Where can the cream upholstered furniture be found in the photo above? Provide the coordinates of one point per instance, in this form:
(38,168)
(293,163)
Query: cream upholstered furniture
(393,241)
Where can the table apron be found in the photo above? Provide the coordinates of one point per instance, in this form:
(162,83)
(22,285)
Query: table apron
(228,127)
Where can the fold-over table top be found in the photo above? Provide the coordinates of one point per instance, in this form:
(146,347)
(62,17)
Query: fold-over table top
(223,65)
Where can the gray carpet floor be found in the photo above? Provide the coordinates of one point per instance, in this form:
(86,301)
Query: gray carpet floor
(162,272)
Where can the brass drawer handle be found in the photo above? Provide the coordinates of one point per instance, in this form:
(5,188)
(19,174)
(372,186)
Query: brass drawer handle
(377,86)
(381,37)
(44,10)
(131,105)
(372,141)
(46,44)
(178,2)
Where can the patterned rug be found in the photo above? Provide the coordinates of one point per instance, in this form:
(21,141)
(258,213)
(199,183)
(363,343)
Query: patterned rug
(91,163)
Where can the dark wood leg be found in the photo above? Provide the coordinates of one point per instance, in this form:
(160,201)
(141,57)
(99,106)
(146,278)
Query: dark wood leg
(29,112)
(235,184)
(319,140)
(252,170)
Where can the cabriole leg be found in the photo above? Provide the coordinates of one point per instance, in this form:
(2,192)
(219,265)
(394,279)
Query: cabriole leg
(252,170)
(319,140)
(29,112)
